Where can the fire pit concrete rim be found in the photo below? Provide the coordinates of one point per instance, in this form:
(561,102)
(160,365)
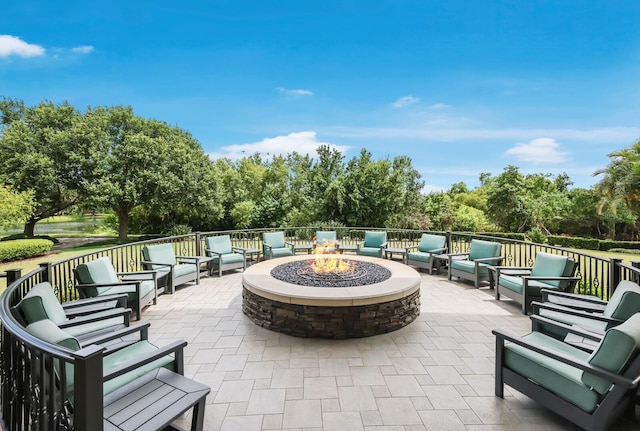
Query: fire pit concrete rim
(403,282)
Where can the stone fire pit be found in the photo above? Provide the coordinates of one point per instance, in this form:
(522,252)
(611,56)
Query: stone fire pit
(331,312)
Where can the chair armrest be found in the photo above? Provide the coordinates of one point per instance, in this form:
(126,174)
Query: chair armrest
(125,283)
(411,247)
(91,305)
(384,244)
(497,259)
(573,300)
(502,336)
(290,244)
(437,250)
(452,255)
(239,250)
(146,274)
(176,348)
(142,328)
(573,329)
(81,320)
(537,306)
(188,259)
(210,253)
(266,246)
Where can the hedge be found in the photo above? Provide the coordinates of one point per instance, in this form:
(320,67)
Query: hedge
(23,249)
(608,244)
(574,242)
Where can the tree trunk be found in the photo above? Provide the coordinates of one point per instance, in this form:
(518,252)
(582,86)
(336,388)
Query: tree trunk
(123,223)
(30,227)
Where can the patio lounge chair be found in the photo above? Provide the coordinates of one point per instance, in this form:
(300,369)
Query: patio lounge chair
(98,278)
(179,269)
(274,245)
(624,303)
(549,271)
(225,256)
(481,255)
(592,390)
(84,319)
(373,245)
(326,241)
(422,255)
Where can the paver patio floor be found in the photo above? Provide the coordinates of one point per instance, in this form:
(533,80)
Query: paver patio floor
(435,374)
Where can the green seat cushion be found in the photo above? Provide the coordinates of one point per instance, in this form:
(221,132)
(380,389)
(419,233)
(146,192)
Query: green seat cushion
(480,249)
(127,354)
(98,271)
(470,266)
(430,242)
(419,256)
(184,269)
(86,328)
(370,251)
(41,303)
(219,244)
(619,345)
(624,302)
(47,331)
(280,252)
(274,239)
(230,258)
(549,265)
(146,286)
(374,239)
(515,283)
(161,253)
(561,379)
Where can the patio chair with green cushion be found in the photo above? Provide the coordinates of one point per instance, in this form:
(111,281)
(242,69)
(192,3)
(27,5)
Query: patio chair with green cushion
(590,389)
(181,269)
(85,319)
(121,366)
(624,303)
(373,245)
(326,241)
(482,254)
(225,256)
(274,245)
(549,271)
(422,255)
(98,278)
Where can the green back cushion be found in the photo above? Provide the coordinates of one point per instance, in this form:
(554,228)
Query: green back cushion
(162,253)
(98,271)
(325,237)
(274,239)
(48,331)
(431,242)
(374,239)
(480,249)
(41,303)
(219,244)
(617,348)
(549,265)
(624,302)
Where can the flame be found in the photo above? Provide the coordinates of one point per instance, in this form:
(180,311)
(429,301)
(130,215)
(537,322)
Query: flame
(327,260)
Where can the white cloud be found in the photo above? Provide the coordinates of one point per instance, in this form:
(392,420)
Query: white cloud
(11,45)
(405,101)
(439,106)
(297,92)
(84,49)
(540,150)
(301,142)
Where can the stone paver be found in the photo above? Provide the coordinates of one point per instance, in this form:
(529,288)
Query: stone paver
(434,374)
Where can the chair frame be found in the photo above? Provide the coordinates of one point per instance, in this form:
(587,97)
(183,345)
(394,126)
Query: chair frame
(140,302)
(432,264)
(383,246)
(173,280)
(267,248)
(620,400)
(476,277)
(523,298)
(226,266)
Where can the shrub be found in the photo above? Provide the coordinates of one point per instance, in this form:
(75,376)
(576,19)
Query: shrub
(574,242)
(23,236)
(624,250)
(536,235)
(608,245)
(177,230)
(23,249)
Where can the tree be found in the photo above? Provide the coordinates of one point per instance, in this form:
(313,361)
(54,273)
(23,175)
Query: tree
(147,162)
(505,200)
(15,207)
(50,150)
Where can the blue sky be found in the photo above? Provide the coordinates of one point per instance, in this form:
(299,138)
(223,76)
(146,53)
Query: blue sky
(460,86)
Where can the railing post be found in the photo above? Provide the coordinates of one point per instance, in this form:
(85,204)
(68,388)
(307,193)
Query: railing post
(46,275)
(635,264)
(198,245)
(13,275)
(89,403)
(448,235)
(615,275)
